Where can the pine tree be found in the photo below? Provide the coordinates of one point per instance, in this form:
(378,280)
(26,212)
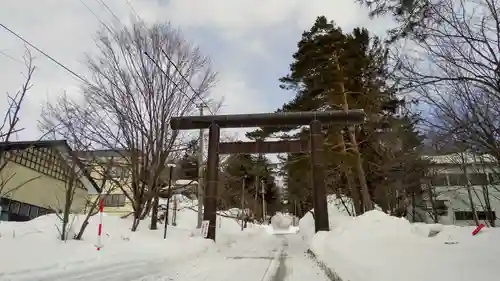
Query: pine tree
(332,70)
(235,168)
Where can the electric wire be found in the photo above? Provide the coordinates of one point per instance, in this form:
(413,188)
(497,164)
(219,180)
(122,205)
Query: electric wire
(10,57)
(186,80)
(44,54)
(176,67)
(96,16)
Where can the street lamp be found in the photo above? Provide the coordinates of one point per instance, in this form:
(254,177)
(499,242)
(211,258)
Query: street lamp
(171,166)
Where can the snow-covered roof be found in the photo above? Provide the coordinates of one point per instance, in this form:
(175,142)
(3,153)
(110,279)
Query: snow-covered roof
(456,158)
(185,182)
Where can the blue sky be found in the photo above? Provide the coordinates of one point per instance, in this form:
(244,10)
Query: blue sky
(250,43)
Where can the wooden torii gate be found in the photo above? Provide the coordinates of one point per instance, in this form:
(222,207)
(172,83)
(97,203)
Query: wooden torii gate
(283,119)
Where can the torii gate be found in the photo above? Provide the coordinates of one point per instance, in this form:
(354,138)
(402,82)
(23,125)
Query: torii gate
(287,119)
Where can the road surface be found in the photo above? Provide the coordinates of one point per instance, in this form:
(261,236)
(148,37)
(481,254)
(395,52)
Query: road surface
(259,258)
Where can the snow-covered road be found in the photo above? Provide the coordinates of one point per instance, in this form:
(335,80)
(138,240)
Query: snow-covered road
(295,265)
(255,258)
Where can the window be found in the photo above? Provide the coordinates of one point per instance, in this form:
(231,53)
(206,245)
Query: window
(494,178)
(24,210)
(467,215)
(441,207)
(457,179)
(478,179)
(117,172)
(439,180)
(33,212)
(14,207)
(114,200)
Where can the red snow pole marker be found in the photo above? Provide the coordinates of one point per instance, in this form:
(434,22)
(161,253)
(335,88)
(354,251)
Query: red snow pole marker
(99,229)
(476,231)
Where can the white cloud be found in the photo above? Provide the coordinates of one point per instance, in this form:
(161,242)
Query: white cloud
(65,30)
(239,19)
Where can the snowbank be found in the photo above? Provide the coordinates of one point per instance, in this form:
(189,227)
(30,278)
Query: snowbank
(337,213)
(228,226)
(34,245)
(376,246)
(281,221)
(281,224)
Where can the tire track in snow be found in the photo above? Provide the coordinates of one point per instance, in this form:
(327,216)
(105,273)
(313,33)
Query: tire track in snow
(222,266)
(295,265)
(118,271)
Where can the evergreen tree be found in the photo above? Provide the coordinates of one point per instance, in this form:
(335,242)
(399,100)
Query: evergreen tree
(411,16)
(188,164)
(235,169)
(327,57)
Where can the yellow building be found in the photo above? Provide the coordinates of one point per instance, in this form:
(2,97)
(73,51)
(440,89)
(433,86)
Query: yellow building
(37,176)
(110,170)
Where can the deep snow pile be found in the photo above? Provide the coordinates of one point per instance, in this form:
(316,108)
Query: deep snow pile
(281,224)
(228,226)
(34,245)
(281,221)
(337,213)
(376,246)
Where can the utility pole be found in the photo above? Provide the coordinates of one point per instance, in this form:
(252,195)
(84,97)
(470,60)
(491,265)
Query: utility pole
(174,214)
(295,215)
(200,173)
(263,203)
(256,198)
(243,185)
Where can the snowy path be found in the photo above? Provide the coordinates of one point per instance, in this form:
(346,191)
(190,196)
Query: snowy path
(295,265)
(255,258)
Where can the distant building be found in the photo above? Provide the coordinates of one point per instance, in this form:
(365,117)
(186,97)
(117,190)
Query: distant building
(34,177)
(110,169)
(448,181)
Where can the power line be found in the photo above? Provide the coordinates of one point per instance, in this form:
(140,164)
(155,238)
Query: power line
(196,93)
(45,54)
(96,16)
(77,75)
(133,10)
(10,57)
(186,80)
(110,11)
(168,76)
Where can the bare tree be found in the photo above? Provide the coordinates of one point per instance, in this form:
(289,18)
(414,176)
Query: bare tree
(100,169)
(71,185)
(136,89)
(9,125)
(455,71)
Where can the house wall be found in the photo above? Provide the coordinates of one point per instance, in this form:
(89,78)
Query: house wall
(456,196)
(458,200)
(29,186)
(113,186)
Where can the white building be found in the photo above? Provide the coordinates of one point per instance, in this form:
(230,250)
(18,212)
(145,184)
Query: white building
(450,184)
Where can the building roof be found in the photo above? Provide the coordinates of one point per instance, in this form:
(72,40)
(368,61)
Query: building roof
(118,152)
(185,182)
(65,150)
(456,158)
